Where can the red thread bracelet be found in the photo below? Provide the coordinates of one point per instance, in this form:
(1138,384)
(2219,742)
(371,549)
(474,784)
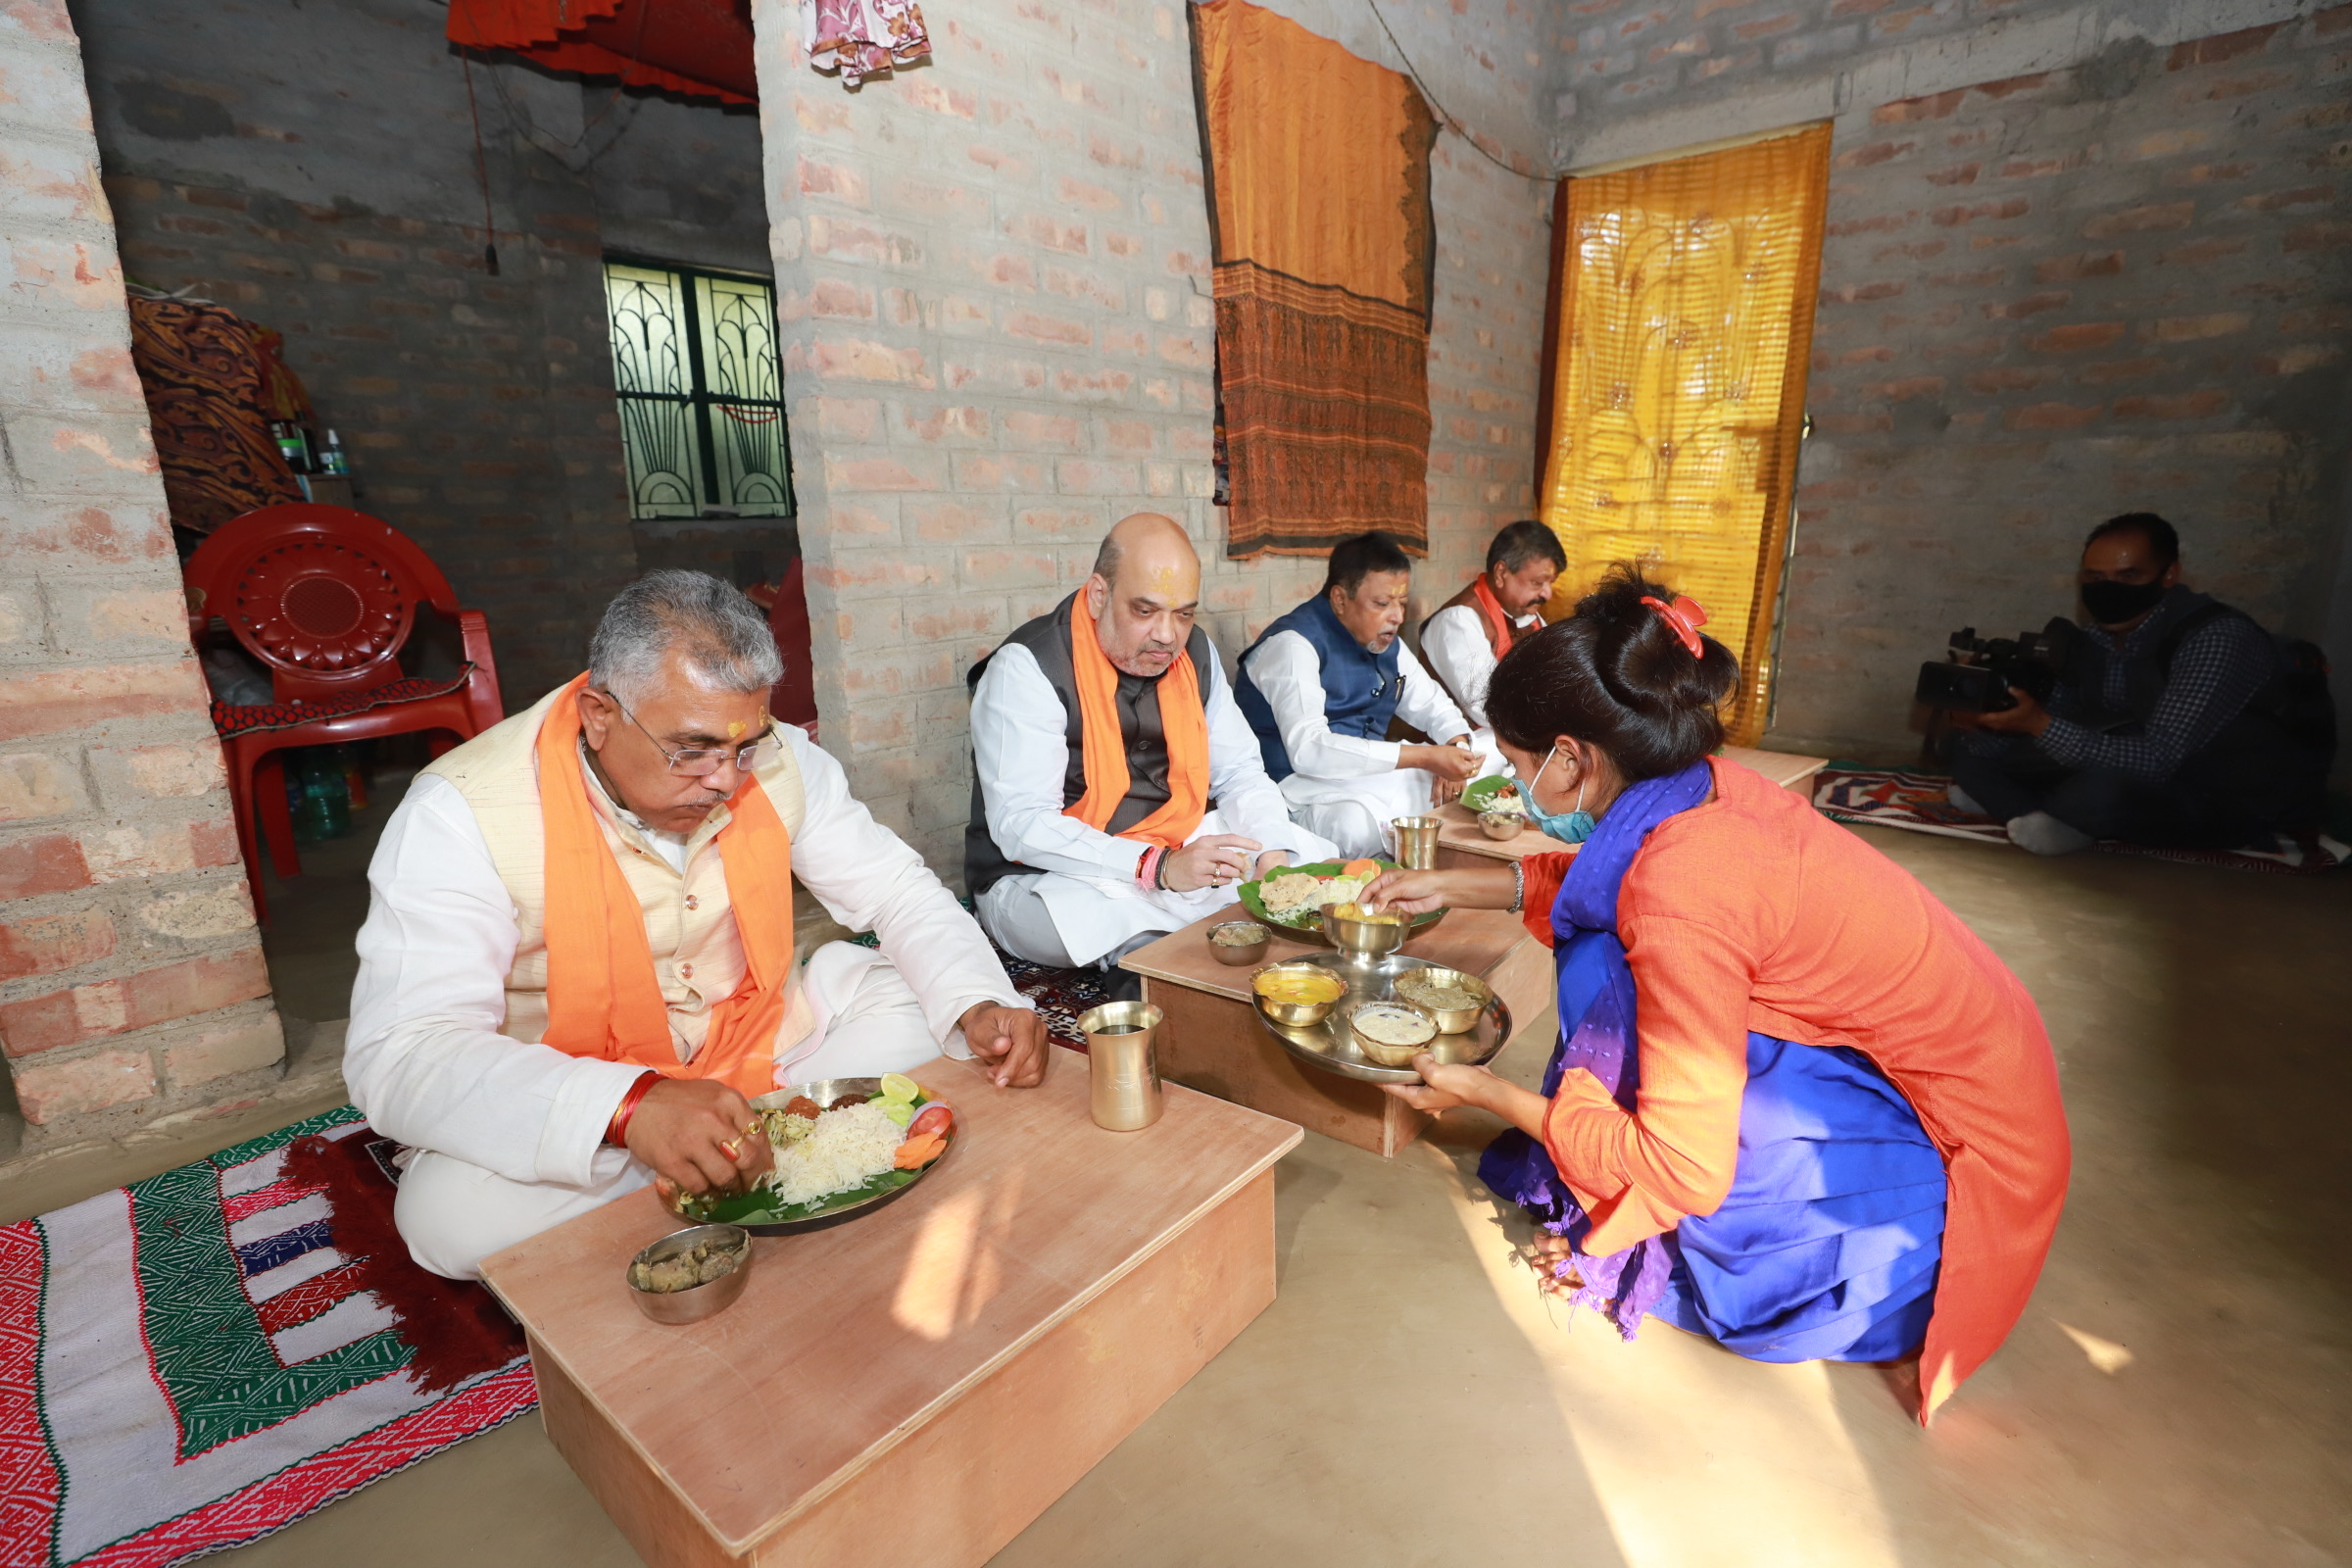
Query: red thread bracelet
(616,1131)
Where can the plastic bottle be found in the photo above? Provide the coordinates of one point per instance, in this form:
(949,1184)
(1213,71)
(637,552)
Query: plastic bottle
(332,460)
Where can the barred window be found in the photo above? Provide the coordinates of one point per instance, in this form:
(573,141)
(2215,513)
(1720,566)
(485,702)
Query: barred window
(702,411)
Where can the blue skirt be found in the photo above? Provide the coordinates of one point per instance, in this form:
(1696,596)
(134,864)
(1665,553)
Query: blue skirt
(1828,1244)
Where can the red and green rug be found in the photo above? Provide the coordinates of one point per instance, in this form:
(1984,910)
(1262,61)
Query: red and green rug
(1913,800)
(193,1361)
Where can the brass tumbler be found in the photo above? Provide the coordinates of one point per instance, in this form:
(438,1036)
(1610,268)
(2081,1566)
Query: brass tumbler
(1122,1068)
(1417,842)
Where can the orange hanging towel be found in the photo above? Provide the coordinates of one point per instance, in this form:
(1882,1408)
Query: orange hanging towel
(1182,718)
(602,997)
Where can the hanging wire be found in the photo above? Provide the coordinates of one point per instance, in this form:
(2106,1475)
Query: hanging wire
(481,166)
(1451,121)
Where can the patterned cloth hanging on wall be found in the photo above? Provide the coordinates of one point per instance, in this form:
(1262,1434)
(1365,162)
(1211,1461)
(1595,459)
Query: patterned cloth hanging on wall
(203,378)
(861,38)
(1323,246)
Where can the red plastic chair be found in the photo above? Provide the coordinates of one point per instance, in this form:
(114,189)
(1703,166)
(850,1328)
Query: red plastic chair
(327,598)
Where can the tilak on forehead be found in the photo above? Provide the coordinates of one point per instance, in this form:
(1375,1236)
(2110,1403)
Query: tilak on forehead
(735,727)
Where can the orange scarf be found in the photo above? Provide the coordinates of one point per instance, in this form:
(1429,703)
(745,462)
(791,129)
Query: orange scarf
(602,997)
(1103,753)
(1498,624)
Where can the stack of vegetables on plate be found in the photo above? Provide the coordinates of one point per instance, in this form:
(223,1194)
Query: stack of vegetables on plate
(830,1158)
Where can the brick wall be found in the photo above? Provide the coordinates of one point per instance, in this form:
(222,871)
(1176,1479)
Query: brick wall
(994,279)
(2122,285)
(130,978)
(477,411)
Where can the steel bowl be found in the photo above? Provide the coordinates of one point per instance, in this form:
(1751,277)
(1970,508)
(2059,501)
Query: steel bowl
(1239,954)
(1364,939)
(1450,1020)
(1383,1052)
(1295,1014)
(698,1301)
(1502,824)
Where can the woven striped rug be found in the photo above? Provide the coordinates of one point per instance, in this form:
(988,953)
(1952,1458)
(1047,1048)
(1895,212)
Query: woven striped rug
(1913,800)
(193,1361)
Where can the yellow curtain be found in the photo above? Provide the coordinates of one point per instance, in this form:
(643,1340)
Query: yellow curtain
(1685,323)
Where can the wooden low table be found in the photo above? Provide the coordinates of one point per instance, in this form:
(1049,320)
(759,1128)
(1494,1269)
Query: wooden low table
(1461,844)
(1211,1038)
(917,1385)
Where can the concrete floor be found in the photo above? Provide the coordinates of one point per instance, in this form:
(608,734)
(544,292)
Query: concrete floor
(2178,1391)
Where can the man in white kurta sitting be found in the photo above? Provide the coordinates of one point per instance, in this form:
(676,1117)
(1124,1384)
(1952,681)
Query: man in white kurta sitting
(577,965)
(1471,632)
(1117,792)
(1319,687)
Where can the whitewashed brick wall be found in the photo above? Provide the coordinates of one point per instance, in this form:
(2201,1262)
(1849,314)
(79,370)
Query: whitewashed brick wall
(994,278)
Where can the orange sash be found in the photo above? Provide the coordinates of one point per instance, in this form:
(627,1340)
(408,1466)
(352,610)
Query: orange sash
(1103,754)
(602,997)
(1490,608)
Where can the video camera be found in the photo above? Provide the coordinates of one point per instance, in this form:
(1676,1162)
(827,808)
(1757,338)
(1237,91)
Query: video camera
(1976,674)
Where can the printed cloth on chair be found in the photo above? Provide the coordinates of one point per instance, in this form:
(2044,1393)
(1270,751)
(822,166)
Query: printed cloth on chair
(238,718)
(195,1360)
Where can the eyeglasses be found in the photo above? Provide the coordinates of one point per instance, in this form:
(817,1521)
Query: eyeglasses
(701,762)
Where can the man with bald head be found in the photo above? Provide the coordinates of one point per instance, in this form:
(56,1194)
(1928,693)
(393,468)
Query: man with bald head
(1118,791)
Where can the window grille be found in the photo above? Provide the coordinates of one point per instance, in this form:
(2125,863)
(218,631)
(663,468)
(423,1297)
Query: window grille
(702,411)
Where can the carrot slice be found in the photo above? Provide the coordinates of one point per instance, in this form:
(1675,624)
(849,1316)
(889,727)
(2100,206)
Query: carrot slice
(916,1153)
(1360,868)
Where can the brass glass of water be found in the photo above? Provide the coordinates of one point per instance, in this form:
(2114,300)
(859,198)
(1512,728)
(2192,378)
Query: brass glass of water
(1417,842)
(1122,1068)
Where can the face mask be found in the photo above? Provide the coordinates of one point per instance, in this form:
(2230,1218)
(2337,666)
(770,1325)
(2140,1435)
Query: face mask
(1569,827)
(2110,604)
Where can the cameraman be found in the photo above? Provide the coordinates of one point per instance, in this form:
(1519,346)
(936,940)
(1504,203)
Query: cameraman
(2147,736)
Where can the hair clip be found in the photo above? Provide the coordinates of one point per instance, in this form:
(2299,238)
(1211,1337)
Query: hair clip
(1686,617)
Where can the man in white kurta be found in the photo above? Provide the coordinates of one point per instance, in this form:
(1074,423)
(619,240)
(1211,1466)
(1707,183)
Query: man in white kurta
(513,1136)
(1471,632)
(1319,688)
(1050,886)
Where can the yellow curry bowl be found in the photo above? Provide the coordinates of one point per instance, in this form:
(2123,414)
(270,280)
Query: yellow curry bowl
(1297,994)
(1355,929)
(1415,984)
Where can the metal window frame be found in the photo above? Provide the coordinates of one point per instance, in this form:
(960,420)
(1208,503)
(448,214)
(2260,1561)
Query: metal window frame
(701,398)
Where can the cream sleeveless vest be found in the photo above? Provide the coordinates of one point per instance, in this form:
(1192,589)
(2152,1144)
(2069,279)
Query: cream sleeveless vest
(689,922)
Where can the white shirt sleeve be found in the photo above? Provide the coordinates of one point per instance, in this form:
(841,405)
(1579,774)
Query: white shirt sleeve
(1021,751)
(1463,655)
(1247,801)
(871,879)
(423,1057)
(1289,673)
(1425,705)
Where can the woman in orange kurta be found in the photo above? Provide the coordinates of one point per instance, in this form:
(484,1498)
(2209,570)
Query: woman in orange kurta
(1771,1035)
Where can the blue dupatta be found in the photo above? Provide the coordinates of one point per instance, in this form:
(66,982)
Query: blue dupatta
(1828,1244)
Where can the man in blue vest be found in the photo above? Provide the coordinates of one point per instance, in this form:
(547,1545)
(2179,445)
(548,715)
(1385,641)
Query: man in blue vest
(1320,686)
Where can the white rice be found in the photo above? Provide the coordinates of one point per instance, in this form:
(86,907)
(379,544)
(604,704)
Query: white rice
(847,1146)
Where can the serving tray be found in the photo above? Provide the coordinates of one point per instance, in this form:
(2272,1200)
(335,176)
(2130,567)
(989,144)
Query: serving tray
(1331,1045)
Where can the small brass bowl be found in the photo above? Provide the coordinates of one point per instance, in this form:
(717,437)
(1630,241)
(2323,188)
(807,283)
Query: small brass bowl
(1296,1014)
(1222,943)
(1502,824)
(1387,1053)
(1365,939)
(1450,1020)
(697,1302)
